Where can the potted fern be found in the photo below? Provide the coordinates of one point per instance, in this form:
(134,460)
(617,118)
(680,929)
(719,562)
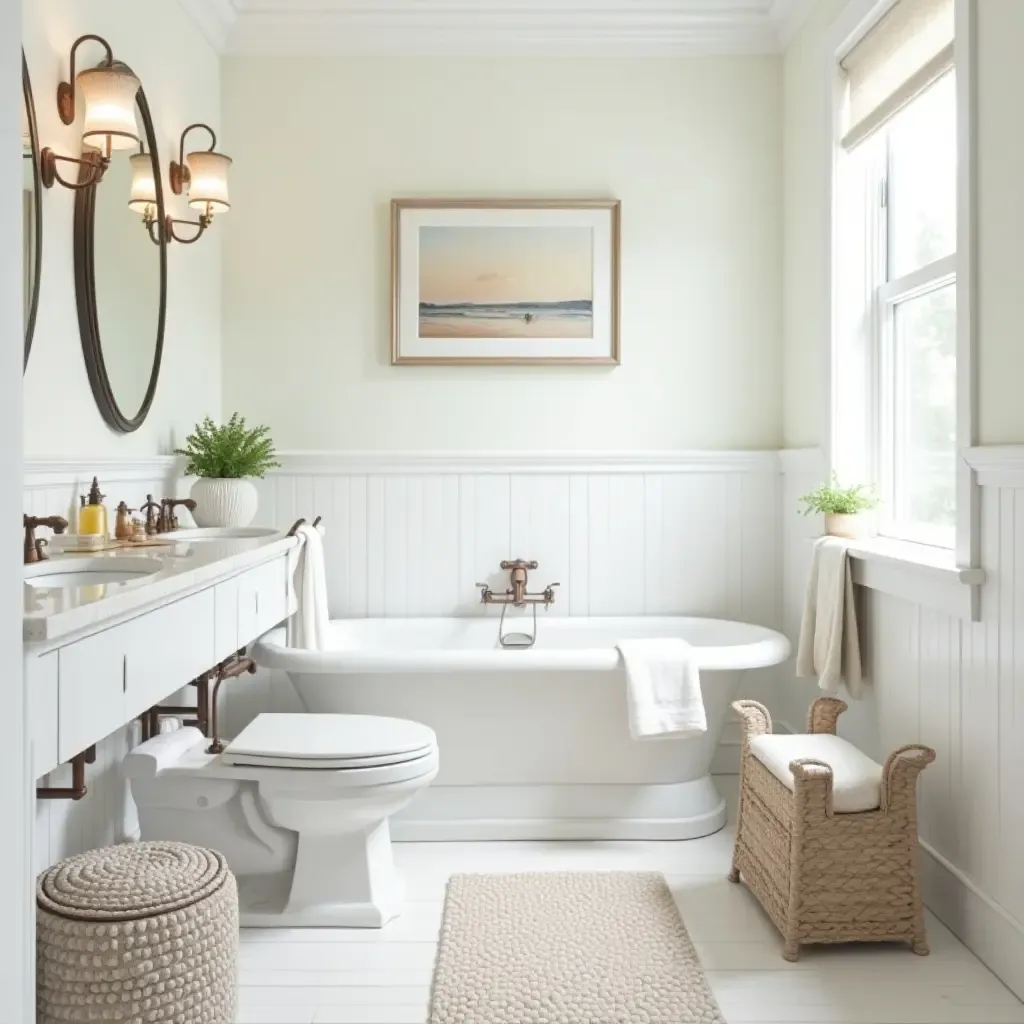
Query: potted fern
(844,508)
(224,457)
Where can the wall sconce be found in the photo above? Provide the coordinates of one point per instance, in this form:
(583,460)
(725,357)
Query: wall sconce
(143,194)
(205,175)
(109,92)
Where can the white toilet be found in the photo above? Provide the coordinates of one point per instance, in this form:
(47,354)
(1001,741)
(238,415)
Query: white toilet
(299,805)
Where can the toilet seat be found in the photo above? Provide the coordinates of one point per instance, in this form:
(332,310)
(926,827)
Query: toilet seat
(332,743)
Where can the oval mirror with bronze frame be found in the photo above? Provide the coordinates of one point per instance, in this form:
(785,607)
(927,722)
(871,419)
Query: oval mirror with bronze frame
(31,193)
(121,276)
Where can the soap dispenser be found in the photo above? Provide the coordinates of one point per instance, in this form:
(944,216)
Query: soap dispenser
(123,524)
(92,518)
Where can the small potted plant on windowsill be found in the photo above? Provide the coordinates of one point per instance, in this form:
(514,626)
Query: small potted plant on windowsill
(844,508)
(224,457)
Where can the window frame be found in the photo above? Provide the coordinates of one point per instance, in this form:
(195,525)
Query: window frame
(851,435)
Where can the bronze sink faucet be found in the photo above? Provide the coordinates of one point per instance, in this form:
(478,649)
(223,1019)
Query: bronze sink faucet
(149,508)
(167,520)
(34,546)
(517,594)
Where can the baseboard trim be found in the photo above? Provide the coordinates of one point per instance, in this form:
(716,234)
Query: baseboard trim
(986,928)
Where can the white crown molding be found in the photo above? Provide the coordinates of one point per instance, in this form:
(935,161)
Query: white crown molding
(343,463)
(789,17)
(451,27)
(997,465)
(215,19)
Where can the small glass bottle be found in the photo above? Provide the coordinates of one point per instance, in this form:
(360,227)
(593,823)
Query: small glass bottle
(92,517)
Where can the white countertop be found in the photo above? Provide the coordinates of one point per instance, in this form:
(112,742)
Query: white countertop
(54,614)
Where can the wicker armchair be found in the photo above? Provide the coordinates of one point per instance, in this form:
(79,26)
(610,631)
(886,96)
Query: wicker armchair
(824,876)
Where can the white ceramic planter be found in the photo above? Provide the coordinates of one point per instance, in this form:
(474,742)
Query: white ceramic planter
(224,502)
(853,527)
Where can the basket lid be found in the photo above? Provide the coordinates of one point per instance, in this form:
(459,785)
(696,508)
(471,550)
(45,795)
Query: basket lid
(131,881)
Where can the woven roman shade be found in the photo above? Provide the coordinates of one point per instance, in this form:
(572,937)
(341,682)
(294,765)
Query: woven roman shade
(909,49)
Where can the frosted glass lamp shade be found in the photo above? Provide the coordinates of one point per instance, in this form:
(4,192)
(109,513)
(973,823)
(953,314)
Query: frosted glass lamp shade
(109,95)
(143,196)
(208,188)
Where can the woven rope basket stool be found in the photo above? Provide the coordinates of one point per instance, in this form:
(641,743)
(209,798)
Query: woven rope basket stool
(140,933)
(822,875)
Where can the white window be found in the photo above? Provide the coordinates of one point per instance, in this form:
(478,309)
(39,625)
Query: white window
(895,383)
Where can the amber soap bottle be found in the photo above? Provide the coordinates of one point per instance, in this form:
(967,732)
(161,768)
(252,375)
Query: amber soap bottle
(92,517)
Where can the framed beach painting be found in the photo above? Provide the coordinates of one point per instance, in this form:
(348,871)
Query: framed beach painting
(505,281)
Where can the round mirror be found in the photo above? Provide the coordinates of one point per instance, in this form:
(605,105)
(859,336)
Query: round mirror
(32,210)
(121,278)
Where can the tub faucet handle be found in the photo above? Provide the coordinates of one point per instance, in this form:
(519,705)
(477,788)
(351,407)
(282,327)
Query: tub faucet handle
(549,593)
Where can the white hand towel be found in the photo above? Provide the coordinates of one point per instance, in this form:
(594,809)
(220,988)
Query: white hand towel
(309,626)
(829,640)
(663,686)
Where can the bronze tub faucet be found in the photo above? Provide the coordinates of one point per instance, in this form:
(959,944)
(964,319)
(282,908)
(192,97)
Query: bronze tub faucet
(517,594)
(34,546)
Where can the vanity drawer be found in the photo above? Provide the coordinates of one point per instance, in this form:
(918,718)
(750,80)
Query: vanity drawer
(167,649)
(93,680)
(262,600)
(43,701)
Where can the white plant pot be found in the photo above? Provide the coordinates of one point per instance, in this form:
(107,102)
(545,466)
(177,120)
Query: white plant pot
(853,527)
(224,502)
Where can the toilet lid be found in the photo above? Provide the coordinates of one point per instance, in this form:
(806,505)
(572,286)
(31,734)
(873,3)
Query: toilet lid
(329,741)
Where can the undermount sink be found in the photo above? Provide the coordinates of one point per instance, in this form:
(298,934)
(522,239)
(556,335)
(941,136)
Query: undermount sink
(69,573)
(220,533)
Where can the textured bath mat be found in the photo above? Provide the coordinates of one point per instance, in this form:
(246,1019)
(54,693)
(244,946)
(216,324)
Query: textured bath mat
(567,948)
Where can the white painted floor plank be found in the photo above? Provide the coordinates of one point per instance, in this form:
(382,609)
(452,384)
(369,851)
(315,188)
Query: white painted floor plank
(349,956)
(334,995)
(359,976)
(275,1015)
(370,1015)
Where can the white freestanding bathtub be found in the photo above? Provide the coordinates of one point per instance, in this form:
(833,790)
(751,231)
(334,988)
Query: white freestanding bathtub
(534,743)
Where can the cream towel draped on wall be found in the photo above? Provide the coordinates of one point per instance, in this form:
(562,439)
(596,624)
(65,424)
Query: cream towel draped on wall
(829,639)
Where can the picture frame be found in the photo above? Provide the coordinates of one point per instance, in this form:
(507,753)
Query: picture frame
(505,281)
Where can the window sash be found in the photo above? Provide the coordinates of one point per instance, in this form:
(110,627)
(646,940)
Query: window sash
(889,295)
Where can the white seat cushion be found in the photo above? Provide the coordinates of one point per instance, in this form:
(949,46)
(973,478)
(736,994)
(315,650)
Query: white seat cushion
(856,779)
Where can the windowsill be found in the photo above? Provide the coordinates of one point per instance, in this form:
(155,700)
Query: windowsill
(918,573)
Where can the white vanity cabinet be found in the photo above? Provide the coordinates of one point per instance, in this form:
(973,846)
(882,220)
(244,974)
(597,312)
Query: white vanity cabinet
(262,599)
(41,682)
(86,689)
(165,649)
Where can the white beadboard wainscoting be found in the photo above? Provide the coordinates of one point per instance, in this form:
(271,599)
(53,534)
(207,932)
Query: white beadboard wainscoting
(957,686)
(52,486)
(656,534)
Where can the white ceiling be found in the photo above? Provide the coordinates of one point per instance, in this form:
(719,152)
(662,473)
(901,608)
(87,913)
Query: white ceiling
(498,26)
